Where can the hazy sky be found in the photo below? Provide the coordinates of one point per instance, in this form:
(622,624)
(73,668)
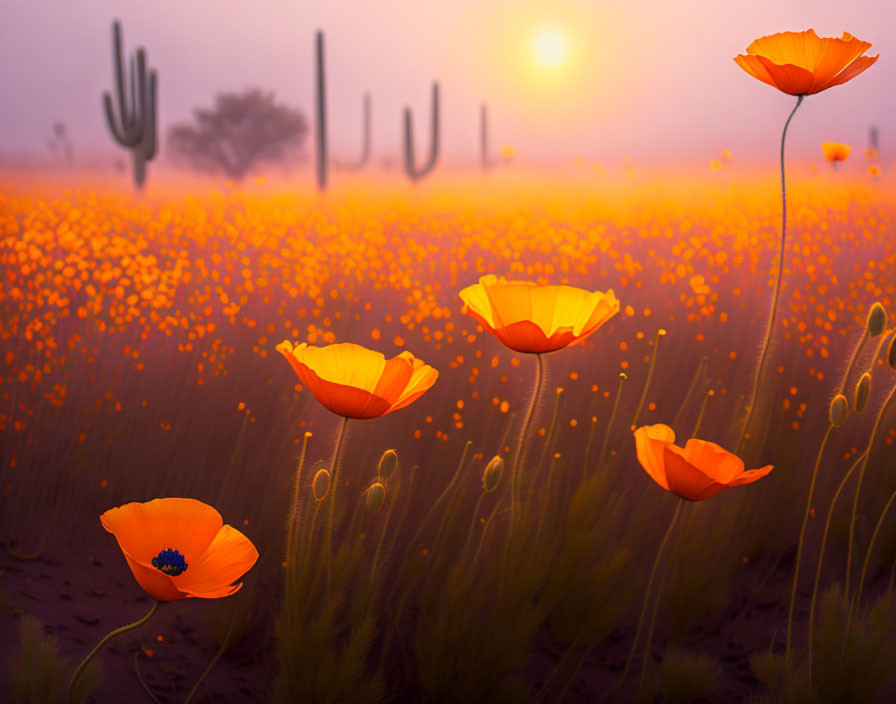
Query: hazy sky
(650,79)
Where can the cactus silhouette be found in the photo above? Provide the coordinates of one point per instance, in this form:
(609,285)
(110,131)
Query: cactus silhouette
(484,158)
(410,167)
(365,137)
(135,126)
(320,110)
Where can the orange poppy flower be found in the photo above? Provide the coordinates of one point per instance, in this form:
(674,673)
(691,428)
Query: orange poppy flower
(834,151)
(356,382)
(179,548)
(527,317)
(696,472)
(802,63)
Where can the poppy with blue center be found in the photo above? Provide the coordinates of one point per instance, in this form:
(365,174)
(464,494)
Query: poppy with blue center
(170,561)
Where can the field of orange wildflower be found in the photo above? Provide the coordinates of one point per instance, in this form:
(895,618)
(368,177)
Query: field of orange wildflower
(510,546)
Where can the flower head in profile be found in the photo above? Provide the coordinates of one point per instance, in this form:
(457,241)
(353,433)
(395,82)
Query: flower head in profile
(356,382)
(178,548)
(528,317)
(802,63)
(695,472)
(835,151)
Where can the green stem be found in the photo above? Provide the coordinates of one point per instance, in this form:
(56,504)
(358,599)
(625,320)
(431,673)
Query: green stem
(656,346)
(331,513)
(702,411)
(656,562)
(701,369)
(292,527)
(214,660)
(521,443)
(603,450)
(880,521)
(824,540)
(855,498)
(774,310)
(799,547)
(109,636)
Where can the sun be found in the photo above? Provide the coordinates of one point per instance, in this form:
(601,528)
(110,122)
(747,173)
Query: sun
(550,48)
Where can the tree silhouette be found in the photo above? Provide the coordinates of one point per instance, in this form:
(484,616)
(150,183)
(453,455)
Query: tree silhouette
(240,132)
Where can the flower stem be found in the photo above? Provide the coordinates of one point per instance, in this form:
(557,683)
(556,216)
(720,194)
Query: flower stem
(799,547)
(861,583)
(334,480)
(603,449)
(824,540)
(521,443)
(656,562)
(109,636)
(656,346)
(757,380)
(855,499)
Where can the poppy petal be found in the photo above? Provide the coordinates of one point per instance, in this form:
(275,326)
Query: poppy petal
(230,555)
(422,379)
(155,583)
(685,479)
(650,441)
(755,68)
(751,476)
(713,460)
(788,78)
(144,529)
(854,69)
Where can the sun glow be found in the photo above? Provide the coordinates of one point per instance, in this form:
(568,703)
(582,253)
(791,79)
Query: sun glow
(550,48)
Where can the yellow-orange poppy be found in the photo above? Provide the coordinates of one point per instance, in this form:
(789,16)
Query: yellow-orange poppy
(802,63)
(179,548)
(356,382)
(695,472)
(527,317)
(835,151)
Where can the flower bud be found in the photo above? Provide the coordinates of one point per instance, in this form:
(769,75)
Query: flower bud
(388,465)
(877,320)
(838,409)
(491,477)
(376,495)
(320,485)
(891,355)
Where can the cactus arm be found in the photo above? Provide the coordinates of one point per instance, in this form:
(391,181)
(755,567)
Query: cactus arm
(410,167)
(118,67)
(365,136)
(116,131)
(484,157)
(150,141)
(320,126)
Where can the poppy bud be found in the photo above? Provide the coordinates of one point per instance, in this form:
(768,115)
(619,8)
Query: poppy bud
(838,410)
(493,473)
(891,355)
(376,494)
(388,465)
(863,390)
(320,485)
(877,320)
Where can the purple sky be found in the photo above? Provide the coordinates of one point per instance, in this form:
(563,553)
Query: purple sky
(650,79)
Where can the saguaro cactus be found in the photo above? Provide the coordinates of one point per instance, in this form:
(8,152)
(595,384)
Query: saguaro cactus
(484,157)
(365,136)
(135,126)
(410,167)
(320,105)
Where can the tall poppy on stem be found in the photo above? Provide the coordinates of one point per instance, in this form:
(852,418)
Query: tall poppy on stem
(535,319)
(355,382)
(176,548)
(695,472)
(799,64)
